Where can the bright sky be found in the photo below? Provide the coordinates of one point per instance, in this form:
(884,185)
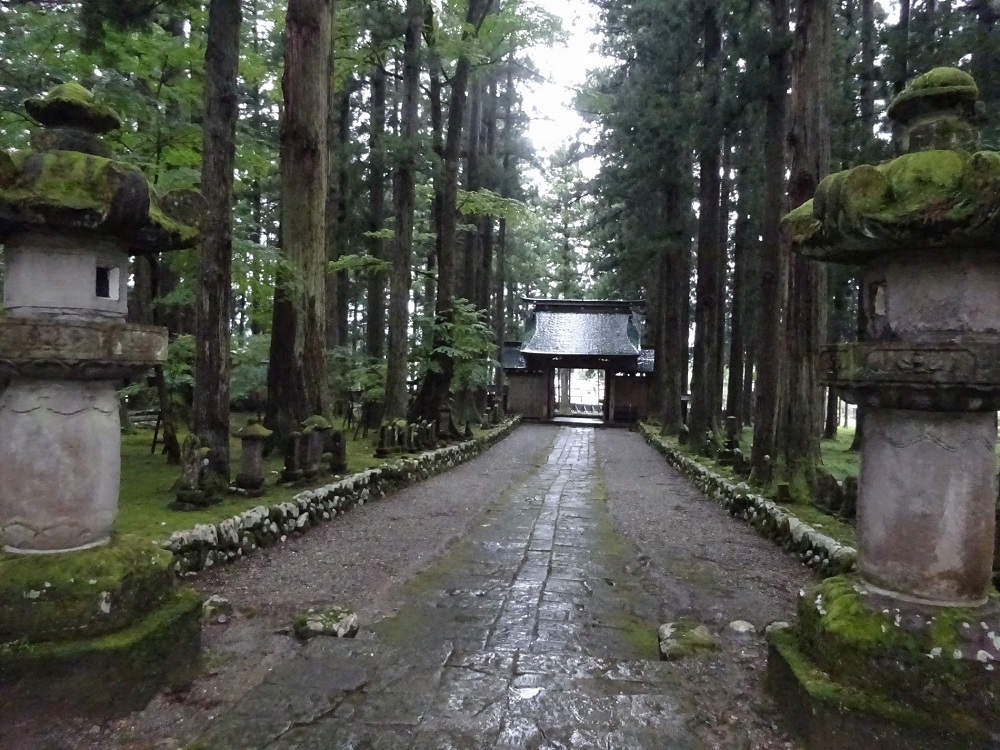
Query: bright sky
(554,121)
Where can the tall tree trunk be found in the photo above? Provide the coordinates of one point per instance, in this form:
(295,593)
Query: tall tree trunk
(902,65)
(341,307)
(737,345)
(773,261)
(704,401)
(405,202)
(722,253)
(805,323)
(832,415)
(296,374)
(507,178)
(214,303)
(471,263)
(375,333)
(335,131)
(488,148)
(867,94)
(434,388)
(674,278)
(437,143)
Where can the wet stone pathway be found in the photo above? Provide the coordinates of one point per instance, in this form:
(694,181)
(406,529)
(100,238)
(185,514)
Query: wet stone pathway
(529,634)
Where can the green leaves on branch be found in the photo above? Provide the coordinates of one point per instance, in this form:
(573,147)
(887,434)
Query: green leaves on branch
(362,264)
(485,202)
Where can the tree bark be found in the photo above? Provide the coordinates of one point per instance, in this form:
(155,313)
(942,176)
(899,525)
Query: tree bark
(773,260)
(434,388)
(214,302)
(737,345)
(338,131)
(805,323)
(375,319)
(405,203)
(296,375)
(704,401)
(472,242)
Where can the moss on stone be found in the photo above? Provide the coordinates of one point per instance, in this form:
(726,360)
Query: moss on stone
(925,656)
(52,597)
(117,672)
(684,638)
(803,688)
(317,422)
(922,181)
(70,104)
(254,430)
(943,84)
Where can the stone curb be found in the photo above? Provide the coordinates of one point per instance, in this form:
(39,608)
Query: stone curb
(209,544)
(819,551)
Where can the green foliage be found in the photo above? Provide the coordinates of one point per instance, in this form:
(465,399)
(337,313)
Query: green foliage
(363,264)
(484,202)
(248,378)
(469,343)
(355,371)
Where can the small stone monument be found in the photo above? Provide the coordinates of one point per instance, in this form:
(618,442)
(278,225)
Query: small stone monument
(69,218)
(338,452)
(190,493)
(382,450)
(252,439)
(905,653)
(314,431)
(292,471)
(317,440)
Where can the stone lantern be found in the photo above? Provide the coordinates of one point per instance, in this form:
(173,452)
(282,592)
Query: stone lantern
(315,430)
(906,653)
(69,218)
(251,478)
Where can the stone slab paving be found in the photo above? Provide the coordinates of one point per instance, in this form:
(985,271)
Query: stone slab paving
(529,634)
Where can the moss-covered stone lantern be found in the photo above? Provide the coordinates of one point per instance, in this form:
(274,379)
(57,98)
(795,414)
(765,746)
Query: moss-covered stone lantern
(906,653)
(75,605)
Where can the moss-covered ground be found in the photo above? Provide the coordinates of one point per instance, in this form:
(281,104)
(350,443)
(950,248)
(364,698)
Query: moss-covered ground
(147,487)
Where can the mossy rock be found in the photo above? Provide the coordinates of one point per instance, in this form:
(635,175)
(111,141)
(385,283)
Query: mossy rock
(684,638)
(71,105)
(938,657)
(254,430)
(332,621)
(89,593)
(78,191)
(317,422)
(831,714)
(113,674)
(943,84)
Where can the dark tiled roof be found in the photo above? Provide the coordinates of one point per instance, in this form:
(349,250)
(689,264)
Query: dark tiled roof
(582,333)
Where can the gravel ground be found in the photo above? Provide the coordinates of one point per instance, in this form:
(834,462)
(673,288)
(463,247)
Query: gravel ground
(695,559)
(705,565)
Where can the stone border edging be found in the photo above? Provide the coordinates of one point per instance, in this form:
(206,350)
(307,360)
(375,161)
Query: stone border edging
(206,544)
(819,551)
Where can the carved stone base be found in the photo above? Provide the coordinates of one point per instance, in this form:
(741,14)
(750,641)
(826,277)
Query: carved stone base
(861,670)
(60,464)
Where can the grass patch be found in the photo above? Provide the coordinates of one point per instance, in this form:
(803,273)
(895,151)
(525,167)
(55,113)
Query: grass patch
(147,486)
(838,458)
